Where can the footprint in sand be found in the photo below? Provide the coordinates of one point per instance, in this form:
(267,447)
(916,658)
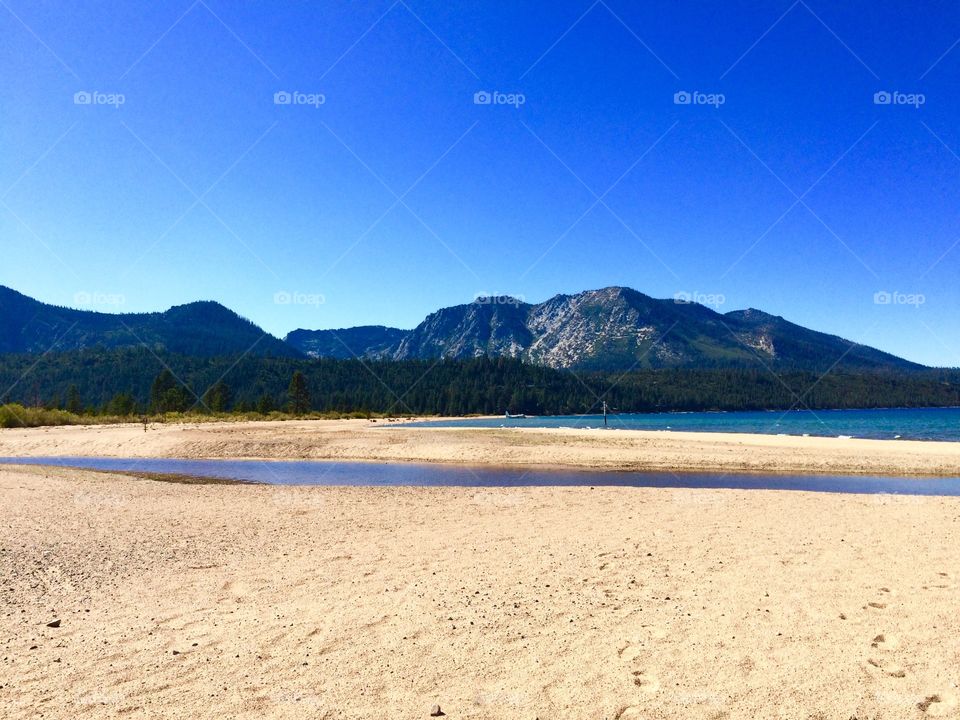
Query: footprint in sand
(883,641)
(878,605)
(649,683)
(235,589)
(890,669)
(939,705)
(939,585)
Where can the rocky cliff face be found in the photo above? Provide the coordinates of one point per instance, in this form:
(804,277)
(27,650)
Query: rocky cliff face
(617,328)
(489,326)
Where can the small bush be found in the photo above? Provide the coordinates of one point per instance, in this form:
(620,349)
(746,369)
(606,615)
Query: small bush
(13,416)
(16,416)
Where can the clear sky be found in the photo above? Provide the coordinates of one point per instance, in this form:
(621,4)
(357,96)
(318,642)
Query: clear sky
(383,191)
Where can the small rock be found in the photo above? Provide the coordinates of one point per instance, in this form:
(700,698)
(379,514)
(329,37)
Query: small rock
(435,711)
(54,624)
(176,652)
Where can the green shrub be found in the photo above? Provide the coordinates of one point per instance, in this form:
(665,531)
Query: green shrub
(14,415)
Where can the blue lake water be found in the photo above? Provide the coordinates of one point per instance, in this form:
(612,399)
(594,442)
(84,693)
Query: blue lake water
(898,423)
(312,472)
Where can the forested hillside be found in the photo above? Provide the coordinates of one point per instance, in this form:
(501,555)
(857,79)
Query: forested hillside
(138,380)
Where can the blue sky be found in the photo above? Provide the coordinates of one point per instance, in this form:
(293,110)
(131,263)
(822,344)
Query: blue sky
(783,185)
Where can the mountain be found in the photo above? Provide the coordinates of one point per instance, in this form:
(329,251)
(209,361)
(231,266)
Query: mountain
(808,348)
(369,341)
(489,326)
(615,328)
(612,329)
(200,329)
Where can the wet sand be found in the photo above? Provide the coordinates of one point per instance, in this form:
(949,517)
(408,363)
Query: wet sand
(594,449)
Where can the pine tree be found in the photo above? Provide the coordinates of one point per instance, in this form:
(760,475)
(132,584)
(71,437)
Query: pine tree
(121,404)
(74,404)
(218,397)
(298,394)
(167,395)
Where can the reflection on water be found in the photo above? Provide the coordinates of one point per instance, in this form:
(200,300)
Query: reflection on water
(317,472)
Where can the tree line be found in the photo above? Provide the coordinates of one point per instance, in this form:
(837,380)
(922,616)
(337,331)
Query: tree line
(132,381)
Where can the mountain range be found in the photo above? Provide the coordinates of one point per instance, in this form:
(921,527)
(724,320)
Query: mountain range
(614,328)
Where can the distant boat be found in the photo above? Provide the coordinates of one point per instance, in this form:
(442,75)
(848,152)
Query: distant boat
(508,416)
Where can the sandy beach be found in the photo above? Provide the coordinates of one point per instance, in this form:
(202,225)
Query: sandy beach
(382,441)
(195,601)
(183,601)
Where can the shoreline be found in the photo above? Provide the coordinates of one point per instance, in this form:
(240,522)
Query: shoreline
(543,448)
(434,422)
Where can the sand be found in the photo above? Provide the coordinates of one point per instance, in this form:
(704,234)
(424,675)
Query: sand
(609,450)
(241,601)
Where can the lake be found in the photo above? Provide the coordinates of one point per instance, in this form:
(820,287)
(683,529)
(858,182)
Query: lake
(888,424)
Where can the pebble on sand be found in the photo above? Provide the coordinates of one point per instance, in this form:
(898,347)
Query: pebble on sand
(435,711)
(54,624)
